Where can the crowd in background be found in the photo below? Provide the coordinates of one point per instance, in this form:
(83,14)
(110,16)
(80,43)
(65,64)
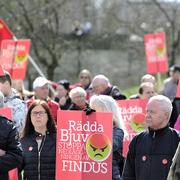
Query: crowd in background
(35,117)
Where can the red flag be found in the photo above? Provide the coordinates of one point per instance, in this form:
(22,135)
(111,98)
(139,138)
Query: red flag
(178,90)
(156,54)
(5,33)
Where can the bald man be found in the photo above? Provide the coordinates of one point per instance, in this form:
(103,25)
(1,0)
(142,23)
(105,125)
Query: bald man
(101,85)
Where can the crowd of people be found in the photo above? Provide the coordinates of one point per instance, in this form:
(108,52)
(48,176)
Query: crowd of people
(28,142)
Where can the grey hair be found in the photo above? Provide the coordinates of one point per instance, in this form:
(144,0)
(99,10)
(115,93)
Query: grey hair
(77,91)
(1,100)
(109,105)
(164,103)
(103,79)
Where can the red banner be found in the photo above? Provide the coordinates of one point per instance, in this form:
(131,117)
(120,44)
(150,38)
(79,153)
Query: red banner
(5,33)
(156,53)
(84,145)
(178,90)
(13,174)
(6,112)
(133,114)
(14,56)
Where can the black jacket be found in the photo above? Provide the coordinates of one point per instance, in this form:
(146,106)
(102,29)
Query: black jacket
(9,142)
(42,165)
(150,155)
(118,136)
(175,112)
(114,92)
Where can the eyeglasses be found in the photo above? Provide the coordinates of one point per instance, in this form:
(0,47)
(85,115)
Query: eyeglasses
(38,113)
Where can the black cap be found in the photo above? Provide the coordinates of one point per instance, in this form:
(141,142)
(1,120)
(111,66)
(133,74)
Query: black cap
(65,83)
(175,68)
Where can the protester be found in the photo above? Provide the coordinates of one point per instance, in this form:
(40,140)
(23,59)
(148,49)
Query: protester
(146,91)
(174,173)
(10,148)
(171,83)
(151,152)
(175,112)
(103,103)
(101,85)
(148,78)
(78,98)
(39,143)
(62,94)
(41,91)
(85,79)
(13,101)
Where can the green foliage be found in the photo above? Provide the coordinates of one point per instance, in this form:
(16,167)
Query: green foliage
(130,91)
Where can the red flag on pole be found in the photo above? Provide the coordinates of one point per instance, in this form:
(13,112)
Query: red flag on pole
(5,32)
(178,90)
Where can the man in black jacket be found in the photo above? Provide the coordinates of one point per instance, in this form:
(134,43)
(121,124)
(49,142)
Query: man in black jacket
(10,148)
(151,152)
(101,85)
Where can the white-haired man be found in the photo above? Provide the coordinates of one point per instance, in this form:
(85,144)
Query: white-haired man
(151,152)
(101,85)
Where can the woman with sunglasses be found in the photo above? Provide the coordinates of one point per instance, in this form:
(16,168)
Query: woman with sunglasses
(39,143)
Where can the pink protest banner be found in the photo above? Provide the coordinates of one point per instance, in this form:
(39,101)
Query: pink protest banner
(5,32)
(178,90)
(156,53)
(84,145)
(133,114)
(14,57)
(13,174)
(6,112)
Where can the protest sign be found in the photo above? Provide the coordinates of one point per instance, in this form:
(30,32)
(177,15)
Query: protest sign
(133,114)
(14,56)
(84,145)
(178,90)
(156,53)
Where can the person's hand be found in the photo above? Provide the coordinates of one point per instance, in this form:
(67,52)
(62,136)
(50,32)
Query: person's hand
(2,152)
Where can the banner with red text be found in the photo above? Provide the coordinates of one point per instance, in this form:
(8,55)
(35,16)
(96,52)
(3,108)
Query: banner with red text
(84,146)
(14,57)
(5,32)
(178,90)
(156,53)
(133,114)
